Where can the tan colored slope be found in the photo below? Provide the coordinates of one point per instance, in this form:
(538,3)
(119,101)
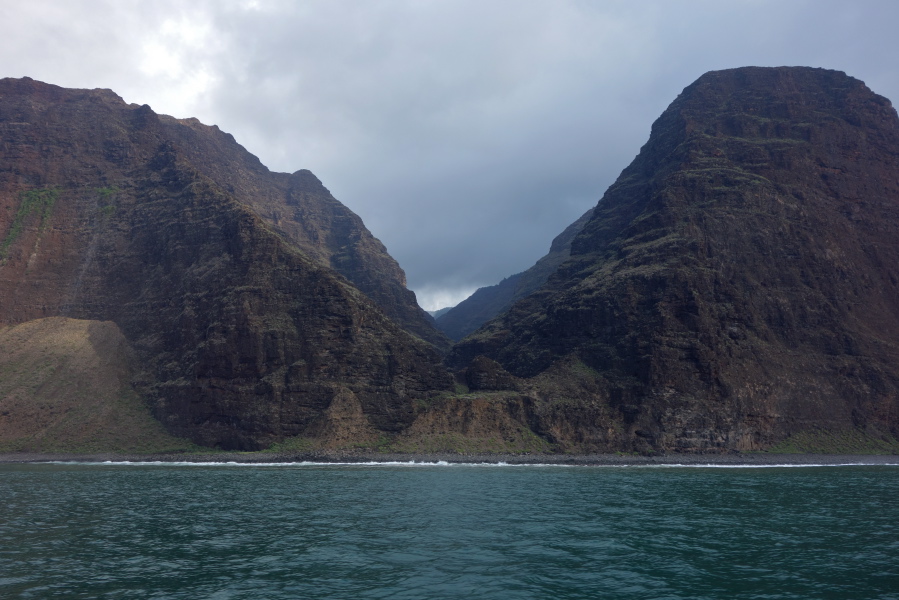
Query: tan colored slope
(64,386)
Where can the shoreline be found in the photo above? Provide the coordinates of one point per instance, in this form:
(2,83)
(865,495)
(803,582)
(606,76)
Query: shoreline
(359,457)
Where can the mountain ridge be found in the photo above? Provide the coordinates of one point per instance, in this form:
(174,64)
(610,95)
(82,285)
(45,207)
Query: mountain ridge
(734,289)
(738,282)
(246,334)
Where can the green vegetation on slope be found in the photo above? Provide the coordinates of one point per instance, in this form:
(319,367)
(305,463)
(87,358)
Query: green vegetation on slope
(847,441)
(39,201)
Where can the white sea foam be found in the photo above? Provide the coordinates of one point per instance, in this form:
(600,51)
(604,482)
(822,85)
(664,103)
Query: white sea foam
(443,463)
(439,463)
(776,466)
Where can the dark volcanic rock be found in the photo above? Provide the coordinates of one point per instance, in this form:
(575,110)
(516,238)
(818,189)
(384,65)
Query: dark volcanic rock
(740,280)
(488,302)
(488,375)
(301,209)
(238,288)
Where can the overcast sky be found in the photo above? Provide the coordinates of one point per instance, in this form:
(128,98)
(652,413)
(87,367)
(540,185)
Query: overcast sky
(466,134)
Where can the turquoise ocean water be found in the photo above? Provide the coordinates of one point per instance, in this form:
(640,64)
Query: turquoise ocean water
(447,531)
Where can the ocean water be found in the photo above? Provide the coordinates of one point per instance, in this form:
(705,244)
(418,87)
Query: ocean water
(447,531)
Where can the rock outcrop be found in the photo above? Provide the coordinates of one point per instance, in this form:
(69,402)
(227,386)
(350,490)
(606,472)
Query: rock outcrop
(737,284)
(253,300)
(488,302)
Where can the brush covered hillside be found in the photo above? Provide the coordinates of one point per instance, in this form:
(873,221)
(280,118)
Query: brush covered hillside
(738,284)
(65,385)
(257,307)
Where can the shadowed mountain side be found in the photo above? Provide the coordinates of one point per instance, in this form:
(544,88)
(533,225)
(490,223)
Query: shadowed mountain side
(437,313)
(242,336)
(65,130)
(488,302)
(299,207)
(737,286)
(739,282)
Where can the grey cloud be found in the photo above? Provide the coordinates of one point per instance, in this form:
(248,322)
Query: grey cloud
(466,134)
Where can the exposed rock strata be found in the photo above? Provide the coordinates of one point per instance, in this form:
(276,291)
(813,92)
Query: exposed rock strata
(300,208)
(218,272)
(740,280)
(736,285)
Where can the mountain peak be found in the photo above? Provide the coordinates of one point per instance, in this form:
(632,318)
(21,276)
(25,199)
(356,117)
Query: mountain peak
(253,300)
(738,281)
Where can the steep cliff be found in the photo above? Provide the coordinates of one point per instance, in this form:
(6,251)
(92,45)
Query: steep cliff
(301,209)
(238,289)
(488,302)
(737,284)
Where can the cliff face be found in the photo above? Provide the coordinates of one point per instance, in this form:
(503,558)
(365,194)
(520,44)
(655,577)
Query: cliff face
(301,209)
(740,280)
(218,272)
(738,284)
(488,302)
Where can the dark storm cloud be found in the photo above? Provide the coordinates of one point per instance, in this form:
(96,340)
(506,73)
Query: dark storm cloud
(466,134)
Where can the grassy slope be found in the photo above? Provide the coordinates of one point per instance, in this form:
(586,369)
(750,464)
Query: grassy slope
(849,441)
(65,387)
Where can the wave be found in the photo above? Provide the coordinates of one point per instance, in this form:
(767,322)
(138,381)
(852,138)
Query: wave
(443,463)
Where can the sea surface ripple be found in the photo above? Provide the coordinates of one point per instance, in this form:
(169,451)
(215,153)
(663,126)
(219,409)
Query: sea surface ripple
(354,531)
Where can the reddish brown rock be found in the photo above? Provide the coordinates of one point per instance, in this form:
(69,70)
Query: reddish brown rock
(218,272)
(736,285)
(488,375)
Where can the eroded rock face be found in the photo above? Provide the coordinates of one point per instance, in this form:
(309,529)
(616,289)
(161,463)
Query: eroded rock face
(737,284)
(740,280)
(299,207)
(218,272)
(488,375)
